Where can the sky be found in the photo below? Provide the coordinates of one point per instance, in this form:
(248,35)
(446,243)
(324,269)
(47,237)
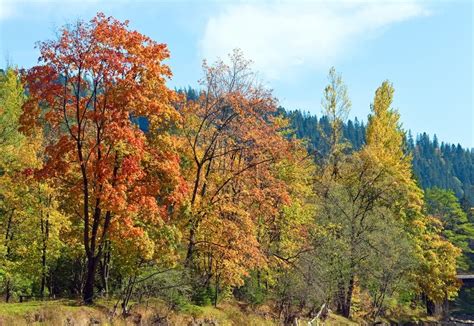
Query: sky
(424,47)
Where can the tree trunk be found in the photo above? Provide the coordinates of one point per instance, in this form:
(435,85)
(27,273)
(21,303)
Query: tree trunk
(437,309)
(44,251)
(430,307)
(216,294)
(191,245)
(341,298)
(192,222)
(105,268)
(88,293)
(7,291)
(43,275)
(344,298)
(8,239)
(128,295)
(347,305)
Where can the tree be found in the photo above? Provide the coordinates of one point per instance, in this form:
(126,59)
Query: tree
(357,221)
(444,205)
(434,274)
(11,100)
(336,106)
(47,225)
(17,156)
(446,166)
(30,228)
(283,234)
(370,208)
(384,136)
(91,82)
(233,142)
(338,191)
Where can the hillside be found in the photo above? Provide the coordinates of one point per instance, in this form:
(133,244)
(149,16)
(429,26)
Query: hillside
(435,163)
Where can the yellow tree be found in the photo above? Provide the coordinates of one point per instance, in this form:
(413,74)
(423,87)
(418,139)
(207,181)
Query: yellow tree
(17,155)
(30,221)
(436,272)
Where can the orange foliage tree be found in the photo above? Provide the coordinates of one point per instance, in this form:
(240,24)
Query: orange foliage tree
(233,138)
(92,81)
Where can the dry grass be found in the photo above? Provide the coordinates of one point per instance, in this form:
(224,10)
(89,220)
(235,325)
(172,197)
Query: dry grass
(71,313)
(61,313)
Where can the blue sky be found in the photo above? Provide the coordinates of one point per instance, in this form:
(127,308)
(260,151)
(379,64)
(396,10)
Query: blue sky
(423,47)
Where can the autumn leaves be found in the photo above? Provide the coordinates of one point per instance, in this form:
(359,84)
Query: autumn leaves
(218,188)
(118,181)
(124,185)
(236,151)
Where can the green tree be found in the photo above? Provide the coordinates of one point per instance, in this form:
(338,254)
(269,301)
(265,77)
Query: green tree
(444,205)
(30,220)
(16,156)
(357,198)
(336,106)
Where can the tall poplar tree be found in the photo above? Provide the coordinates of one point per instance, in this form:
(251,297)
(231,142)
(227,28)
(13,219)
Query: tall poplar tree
(435,275)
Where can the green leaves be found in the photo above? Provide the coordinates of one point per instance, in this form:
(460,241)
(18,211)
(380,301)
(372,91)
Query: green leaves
(444,205)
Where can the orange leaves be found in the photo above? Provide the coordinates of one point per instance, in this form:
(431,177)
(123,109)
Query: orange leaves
(90,83)
(233,148)
(227,239)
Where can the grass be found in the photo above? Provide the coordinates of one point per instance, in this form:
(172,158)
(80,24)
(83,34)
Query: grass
(335,320)
(13,309)
(69,312)
(60,312)
(230,314)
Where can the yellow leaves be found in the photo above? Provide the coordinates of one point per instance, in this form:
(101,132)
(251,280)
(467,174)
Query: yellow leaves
(436,274)
(35,220)
(437,257)
(419,225)
(132,242)
(228,239)
(384,135)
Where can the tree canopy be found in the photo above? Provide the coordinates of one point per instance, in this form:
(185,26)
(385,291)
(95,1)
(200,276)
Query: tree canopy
(114,186)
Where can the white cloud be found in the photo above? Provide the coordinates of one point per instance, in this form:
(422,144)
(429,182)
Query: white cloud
(282,36)
(7,10)
(38,9)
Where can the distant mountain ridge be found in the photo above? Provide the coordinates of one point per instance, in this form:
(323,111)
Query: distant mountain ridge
(435,164)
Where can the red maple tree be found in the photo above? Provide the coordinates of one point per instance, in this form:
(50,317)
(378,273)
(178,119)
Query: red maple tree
(90,85)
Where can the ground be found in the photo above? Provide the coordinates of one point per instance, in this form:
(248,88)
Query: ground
(69,312)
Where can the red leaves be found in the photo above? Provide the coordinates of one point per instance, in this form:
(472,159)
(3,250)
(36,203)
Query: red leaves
(28,172)
(91,81)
